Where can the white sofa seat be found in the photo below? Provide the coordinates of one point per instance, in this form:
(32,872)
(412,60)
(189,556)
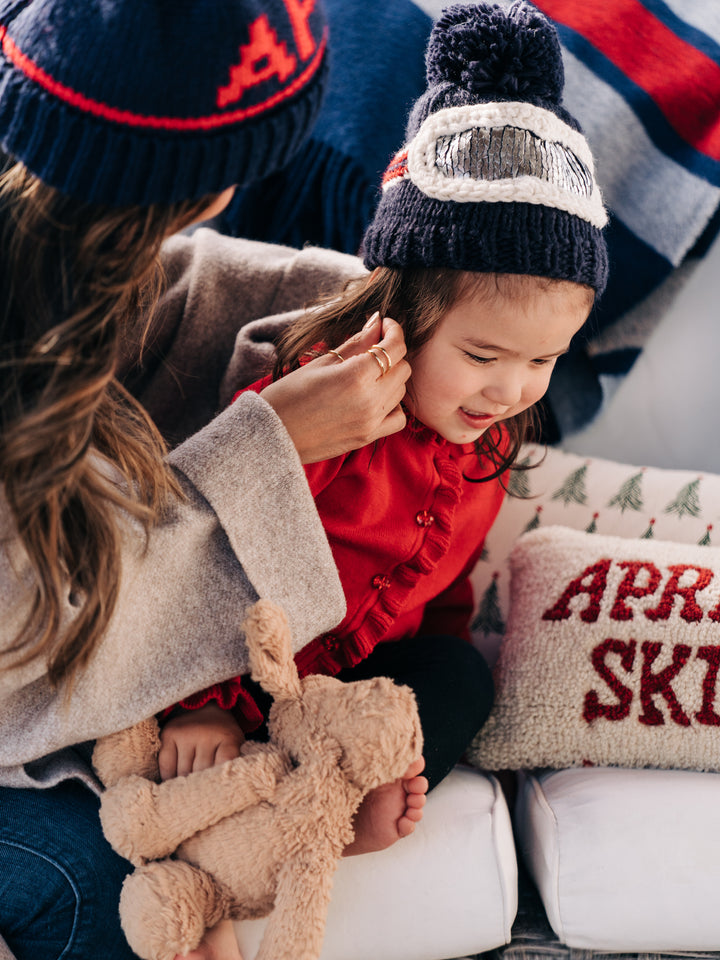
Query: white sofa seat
(624,860)
(447,890)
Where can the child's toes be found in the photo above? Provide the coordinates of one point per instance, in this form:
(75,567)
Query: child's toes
(417,786)
(415,814)
(405,826)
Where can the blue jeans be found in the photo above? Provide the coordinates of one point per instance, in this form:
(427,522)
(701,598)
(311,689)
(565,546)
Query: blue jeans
(59,878)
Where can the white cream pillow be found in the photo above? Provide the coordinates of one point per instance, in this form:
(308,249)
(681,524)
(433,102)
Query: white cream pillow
(588,494)
(611,656)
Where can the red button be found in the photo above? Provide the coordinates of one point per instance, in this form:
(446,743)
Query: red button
(331,643)
(424,519)
(380,582)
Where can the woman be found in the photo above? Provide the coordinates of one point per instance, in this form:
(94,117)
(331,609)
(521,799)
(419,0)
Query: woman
(124,574)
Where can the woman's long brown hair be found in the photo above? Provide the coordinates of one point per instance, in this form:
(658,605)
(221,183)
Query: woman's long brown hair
(77,452)
(417,298)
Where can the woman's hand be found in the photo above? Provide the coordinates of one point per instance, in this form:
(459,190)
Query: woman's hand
(330,407)
(196,739)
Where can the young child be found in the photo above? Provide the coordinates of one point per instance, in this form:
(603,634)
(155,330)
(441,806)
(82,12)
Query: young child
(487,248)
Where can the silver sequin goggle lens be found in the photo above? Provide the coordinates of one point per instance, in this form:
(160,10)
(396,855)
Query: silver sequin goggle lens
(501,153)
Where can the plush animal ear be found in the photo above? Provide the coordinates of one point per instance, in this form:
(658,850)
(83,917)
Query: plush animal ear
(267,634)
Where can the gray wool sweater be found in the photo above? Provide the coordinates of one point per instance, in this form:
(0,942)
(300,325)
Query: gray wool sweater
(247,529)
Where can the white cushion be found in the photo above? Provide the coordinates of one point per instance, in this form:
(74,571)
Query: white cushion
(625,860)
(448,889)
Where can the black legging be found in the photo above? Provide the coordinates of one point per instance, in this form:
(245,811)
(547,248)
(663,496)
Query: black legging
(452,684)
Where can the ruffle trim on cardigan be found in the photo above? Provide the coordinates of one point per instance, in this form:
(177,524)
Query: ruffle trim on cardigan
(332,652)
(229,695)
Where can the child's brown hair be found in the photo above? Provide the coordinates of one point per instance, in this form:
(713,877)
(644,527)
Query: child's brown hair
(417,298)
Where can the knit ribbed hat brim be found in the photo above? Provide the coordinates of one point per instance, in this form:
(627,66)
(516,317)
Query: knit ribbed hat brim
(125,114)
(522,238)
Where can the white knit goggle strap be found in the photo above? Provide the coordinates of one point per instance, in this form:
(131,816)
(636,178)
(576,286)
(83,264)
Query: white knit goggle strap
(502,152)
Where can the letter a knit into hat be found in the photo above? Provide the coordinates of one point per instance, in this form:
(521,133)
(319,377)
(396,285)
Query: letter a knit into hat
(495,176)
(155,101)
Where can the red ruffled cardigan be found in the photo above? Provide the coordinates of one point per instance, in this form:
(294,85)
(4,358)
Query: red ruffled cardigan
(406,525)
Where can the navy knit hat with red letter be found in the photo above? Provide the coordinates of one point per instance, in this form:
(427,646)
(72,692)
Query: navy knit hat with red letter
(154,101)
(496,176)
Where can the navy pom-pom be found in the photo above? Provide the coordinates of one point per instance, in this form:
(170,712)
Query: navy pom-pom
(511,53)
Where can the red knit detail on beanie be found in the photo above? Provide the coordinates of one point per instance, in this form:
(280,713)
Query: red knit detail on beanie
(75,99)
(398,167)
(263,57)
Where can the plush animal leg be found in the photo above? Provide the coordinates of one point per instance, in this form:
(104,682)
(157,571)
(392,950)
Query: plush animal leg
(147,821)
(166,907)
(296,926)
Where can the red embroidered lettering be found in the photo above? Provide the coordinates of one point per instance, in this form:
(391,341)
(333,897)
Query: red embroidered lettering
(652,684)
(299,13)
(690,612)
(628,587)
(715,613)
(593,708)
(595,589)
(263,57)
(706,714)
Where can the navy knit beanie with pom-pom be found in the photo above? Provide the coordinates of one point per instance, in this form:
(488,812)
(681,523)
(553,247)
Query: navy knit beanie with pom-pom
(495,176)
(155,101)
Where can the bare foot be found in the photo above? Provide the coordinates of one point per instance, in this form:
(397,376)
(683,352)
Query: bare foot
(219,943)
(389,812)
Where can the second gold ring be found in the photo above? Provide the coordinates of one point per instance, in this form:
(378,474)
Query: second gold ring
(383,367)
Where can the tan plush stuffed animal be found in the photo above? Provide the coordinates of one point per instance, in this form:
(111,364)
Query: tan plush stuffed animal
(263,832)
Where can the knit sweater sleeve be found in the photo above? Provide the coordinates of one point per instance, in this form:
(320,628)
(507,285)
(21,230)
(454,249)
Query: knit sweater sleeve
(231,694)
(246,528)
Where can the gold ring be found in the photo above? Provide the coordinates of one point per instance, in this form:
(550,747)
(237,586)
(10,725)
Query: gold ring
(336,354)
(383,368)
(387,355)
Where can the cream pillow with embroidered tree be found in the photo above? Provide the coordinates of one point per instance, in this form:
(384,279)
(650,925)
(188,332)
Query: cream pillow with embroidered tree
(594,496)
(611,656)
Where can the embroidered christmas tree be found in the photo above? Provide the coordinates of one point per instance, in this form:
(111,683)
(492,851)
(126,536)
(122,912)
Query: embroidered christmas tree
(687,502)
(592,526)
(489,616)
(519,483)
(573,489)
(534,522)
(704,540)
(629,495)
(650,532)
